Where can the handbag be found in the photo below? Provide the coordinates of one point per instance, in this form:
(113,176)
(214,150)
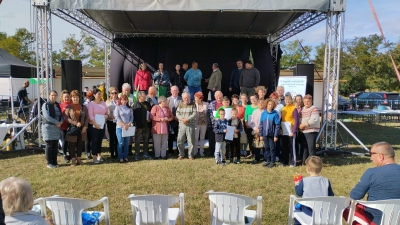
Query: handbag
(73,130)
(170,129)
(257,143)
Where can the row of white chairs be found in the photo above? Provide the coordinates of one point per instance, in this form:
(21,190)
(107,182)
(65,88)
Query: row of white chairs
(329,210)
(225,209)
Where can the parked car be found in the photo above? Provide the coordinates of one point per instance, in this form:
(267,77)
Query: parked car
(343,103)
(370,100)
(355,95)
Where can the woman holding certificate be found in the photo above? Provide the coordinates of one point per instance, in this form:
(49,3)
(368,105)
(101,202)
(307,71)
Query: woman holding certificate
(160,115)
(124,116)
(98,114)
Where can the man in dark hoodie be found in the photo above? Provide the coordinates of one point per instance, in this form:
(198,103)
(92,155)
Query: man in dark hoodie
(249,79)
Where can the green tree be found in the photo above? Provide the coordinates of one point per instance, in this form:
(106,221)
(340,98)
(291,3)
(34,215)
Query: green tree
(89,51)
(19,45)
(293,54)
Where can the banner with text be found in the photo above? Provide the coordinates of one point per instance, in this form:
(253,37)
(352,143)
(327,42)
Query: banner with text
(295,85)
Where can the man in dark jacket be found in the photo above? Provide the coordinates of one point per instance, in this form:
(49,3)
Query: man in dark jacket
(249,79)
(173,102)
(234,87)
(141,116)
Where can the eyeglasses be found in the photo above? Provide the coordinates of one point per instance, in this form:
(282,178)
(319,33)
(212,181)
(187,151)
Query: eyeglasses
(114,93)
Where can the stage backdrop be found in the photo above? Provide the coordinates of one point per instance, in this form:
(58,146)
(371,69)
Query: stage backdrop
(206,51)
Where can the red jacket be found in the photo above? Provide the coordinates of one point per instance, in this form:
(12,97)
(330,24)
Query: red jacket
(143,80)
(63,105)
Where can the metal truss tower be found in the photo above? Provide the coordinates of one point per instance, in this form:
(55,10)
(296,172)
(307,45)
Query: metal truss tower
(333,40)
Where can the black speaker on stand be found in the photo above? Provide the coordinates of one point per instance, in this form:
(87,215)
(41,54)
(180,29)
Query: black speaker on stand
(71,75)
(308,71)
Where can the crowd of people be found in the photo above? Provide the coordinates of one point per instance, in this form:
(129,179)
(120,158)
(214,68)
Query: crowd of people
(278,128)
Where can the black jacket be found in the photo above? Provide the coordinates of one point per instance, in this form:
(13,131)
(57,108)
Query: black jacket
(137,114)
(177,80)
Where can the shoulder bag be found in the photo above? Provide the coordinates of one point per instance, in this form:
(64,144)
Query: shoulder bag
(73,130)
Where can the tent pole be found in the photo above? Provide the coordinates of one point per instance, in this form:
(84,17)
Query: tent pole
(12,100)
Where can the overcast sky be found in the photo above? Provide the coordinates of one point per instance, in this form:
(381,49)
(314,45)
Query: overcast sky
(359,21)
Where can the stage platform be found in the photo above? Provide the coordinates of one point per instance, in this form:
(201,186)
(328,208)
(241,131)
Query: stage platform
(372,116)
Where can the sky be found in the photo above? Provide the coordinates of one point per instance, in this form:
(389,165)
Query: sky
(359,21)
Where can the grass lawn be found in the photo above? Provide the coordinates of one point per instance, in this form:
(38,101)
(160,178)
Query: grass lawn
(194,178)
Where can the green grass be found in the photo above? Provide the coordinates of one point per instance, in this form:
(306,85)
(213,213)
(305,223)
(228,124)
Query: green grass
(194,178)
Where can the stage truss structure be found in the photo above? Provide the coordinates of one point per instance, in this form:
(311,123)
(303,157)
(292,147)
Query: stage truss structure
(334,37)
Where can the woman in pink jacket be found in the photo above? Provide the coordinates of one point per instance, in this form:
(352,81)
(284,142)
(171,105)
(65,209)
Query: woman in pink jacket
(160,115)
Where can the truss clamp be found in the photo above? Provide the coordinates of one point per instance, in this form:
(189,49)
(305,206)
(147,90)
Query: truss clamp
(40,2)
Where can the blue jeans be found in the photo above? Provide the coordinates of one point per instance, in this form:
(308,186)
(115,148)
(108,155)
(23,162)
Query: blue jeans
(192,91)
(269,146)
(123,144)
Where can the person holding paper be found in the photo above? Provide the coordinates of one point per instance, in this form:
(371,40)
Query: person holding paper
(225,105)
(235,143)
(247,115)
(290,120)
(76,114)
(213,106)
(160,115)
(268,131)
(98,114)
(220,129)
(202,122)
(254,124)
(141,110)
(124,116)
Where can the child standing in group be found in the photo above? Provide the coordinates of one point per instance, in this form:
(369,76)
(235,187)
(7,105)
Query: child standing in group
(225,105)
(268,131)
(235,143)
(313,186)
(220,127)
(290,120)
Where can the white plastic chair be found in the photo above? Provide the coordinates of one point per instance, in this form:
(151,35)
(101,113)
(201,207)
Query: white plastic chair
(326,210)
(42,204)
(390,210)
(228,209)
(154,209)
(68,211)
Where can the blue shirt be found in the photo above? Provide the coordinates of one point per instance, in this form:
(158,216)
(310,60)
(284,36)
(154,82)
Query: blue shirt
(123,114)
(381,183)
(193,77)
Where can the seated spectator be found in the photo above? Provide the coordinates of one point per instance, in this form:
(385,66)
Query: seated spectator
(380,183)
(313,186)
(17,197)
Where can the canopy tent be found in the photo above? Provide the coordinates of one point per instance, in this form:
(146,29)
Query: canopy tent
(11,66)
(237,18)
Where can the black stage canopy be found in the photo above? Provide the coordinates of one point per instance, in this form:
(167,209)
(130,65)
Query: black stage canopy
(206,31)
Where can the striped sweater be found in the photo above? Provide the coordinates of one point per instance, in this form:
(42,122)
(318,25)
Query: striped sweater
(310,117)
(187,111)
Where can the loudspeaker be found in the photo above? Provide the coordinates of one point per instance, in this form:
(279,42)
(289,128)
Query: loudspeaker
(308,71)
(71,75)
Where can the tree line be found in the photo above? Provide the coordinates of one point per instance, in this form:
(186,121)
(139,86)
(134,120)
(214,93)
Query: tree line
(365,62)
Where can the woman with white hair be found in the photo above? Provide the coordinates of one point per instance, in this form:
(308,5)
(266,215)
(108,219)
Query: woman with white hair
(17,197)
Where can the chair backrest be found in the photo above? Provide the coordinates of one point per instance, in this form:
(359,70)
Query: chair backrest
(152,209)
(230,208)
(68,211)
(390,210)
(326,210)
